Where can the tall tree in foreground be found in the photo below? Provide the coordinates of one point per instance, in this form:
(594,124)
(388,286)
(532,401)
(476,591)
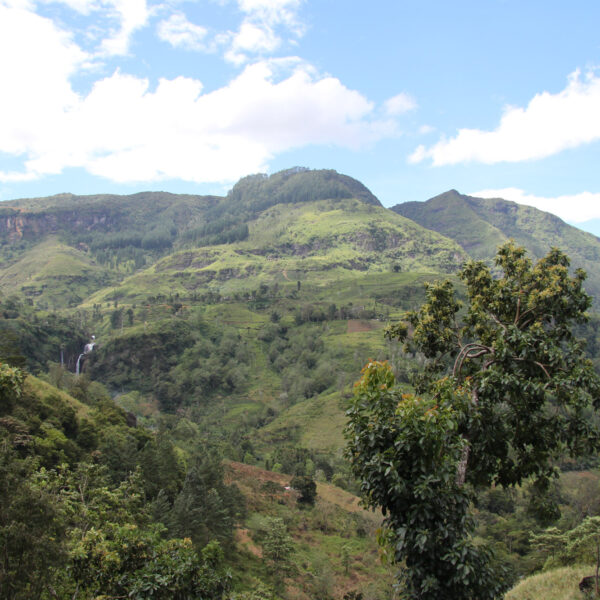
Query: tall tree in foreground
(505,391)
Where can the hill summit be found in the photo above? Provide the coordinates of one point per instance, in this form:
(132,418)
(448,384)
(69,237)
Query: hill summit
(480,225)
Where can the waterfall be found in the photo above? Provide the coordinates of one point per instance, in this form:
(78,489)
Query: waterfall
(86,350)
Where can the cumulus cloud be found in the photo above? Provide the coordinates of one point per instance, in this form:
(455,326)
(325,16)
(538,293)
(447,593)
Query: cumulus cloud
(114,21)
(261,30)
(252,39)
(36,78)
(400,104)
(574,208)
(130,15)
(273,12)
(549,124)
(126,130)
(181,33)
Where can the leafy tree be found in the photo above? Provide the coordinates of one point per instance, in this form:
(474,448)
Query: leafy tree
(277,546)
(11,386)
(581,542)
(346,558)
(116,318)
(205,508)
(307,488)
(128,562)
(505,391)
(32,527)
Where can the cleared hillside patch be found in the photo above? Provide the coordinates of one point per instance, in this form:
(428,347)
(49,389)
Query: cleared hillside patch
(558,584)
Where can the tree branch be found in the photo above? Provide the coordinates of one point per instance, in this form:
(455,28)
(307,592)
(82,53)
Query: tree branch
(464,354)
(498,321)
(535,362)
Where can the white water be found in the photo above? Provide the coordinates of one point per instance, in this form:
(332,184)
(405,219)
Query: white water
(86,350)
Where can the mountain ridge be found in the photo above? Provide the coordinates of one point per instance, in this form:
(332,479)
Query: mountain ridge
(480,225)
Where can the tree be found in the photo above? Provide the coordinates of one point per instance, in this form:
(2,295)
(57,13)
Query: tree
(129,562)
(307,488)
(505,391)
(205,508)
(277,546)
(32,527)
(581,542)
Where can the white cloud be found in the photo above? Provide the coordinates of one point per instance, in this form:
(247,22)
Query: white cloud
(400,104)
(573,208)
(262,28)
(130,15)
(113,22)
(126,131)
(35,81)
(179,32)
(273,12)
(549,124)
(252,39)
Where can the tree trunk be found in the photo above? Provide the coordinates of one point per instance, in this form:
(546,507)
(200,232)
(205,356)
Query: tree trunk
(597,566)
(461,472)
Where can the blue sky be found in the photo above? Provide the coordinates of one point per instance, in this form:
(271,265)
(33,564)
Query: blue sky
(493,98)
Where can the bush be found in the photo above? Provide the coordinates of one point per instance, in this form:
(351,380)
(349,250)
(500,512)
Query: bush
(307,488)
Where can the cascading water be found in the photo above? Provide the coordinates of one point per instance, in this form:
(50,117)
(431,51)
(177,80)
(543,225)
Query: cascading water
(86,350)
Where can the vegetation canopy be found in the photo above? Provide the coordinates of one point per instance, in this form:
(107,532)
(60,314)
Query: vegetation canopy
(504,392)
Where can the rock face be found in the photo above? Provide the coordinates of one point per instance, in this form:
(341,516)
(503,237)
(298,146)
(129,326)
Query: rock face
(21,224)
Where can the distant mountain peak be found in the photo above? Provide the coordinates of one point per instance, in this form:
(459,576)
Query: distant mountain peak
(299,184)
(480,225)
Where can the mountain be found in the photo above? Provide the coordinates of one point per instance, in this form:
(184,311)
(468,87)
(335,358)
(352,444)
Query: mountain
(480,225)
(238,324)
(255,310)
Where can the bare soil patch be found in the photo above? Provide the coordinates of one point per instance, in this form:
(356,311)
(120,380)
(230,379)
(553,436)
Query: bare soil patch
(358,326)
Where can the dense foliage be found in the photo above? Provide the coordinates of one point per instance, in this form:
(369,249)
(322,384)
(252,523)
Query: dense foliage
(506,392)
(91,505)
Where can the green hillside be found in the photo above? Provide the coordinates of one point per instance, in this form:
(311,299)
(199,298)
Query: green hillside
(481,225)
(242,304)
(55,273)
(320,243)
(558,584)
(236,326)
(94,503)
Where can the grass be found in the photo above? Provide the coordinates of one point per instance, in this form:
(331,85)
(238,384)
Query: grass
(319,535)
(558,584)
(319,420)
(42,389)
(60,273)
(326,244)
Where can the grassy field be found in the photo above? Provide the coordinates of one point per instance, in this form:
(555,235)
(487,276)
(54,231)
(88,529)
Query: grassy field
(558,584)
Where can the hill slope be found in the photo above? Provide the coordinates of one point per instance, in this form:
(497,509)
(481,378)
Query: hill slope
(252,312)
(481,225)
(558,584)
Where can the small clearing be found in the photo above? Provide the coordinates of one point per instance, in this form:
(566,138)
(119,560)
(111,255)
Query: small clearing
(359,326)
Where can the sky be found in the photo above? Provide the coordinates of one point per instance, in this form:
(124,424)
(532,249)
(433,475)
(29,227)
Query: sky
(494,98)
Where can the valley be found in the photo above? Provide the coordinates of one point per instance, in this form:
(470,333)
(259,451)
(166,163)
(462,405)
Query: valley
(236,326)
